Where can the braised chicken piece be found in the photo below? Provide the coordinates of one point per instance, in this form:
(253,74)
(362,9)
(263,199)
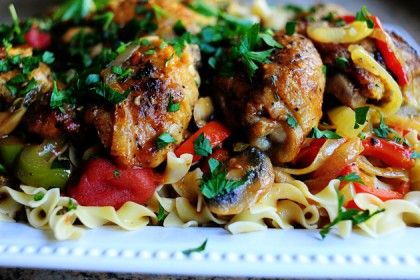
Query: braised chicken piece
(157,79)
(281,108)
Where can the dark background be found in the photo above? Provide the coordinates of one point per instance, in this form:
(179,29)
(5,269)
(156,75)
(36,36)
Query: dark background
(402,12)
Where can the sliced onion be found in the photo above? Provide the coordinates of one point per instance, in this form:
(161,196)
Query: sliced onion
(342,156)
(387,172)
(323,155)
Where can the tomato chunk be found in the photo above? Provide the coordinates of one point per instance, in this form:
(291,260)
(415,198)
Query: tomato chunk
(38,39)
(104,184)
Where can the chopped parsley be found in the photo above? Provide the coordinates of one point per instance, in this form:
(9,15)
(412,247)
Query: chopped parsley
(121,73)
(351,177)
(161,214)
(198,249)
(291,121)
(71,205)
(38,196)
(116,173)
(317,134)
(382,130)
(216,182)
(113,96)
(173,106)
(361,114)
(364,15)
(59,97)
(324,69)
(202,146)
(415,155)
(48,57)
(354,215)
(76,10)
(342,62)
(291,27)
(164,140)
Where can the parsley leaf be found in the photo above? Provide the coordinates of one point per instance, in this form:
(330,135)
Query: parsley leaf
(38,196)
(48,57)
(116,173)
(415,155)
(71,205)
(354,215)
(351,177)
(113,96)
(342,62)
(203,8)
(198,249)
(77,9)
(382,130)
(216,183)
(59,97)
(291,28)
(291,121)
(361,114)
(161,214)
(317,133)
(173,107)
(202,146)
(164,140)
(363,15)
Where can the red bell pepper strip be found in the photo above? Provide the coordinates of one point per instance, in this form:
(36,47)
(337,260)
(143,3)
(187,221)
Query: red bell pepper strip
(383,194)
(104,184)
(391,59)
(38,39)
(307,154)
(214,131)
(348,18)
(389,152)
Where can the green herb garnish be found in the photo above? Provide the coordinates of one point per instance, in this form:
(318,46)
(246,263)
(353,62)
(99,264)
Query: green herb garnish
(361,114)
(415,155)
(351,177)
(198,249)
(164,140)
(202,146)
(364,15)
(291,121)
(317,134)
(38,196)
(354,215)
(342,61)
(216,182)
(161,214)
(291,27)
(173,106)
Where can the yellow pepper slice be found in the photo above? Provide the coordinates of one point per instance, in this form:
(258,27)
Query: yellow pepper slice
(394,98)
(347,34)
(344,118)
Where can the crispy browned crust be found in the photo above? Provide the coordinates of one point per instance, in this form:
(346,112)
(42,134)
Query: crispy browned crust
(132,127)
(292,85)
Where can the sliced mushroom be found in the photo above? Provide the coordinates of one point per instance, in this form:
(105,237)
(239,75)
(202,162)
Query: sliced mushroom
(256,171)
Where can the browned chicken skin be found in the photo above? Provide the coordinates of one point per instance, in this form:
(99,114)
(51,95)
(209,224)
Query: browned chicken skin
(130,130)
(291,87)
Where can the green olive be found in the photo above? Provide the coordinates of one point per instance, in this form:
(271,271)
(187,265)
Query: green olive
(10,148)
(34,168)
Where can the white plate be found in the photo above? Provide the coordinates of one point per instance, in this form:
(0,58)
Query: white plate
(273,253)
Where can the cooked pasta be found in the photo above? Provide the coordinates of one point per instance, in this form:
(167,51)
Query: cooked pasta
(208,113)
